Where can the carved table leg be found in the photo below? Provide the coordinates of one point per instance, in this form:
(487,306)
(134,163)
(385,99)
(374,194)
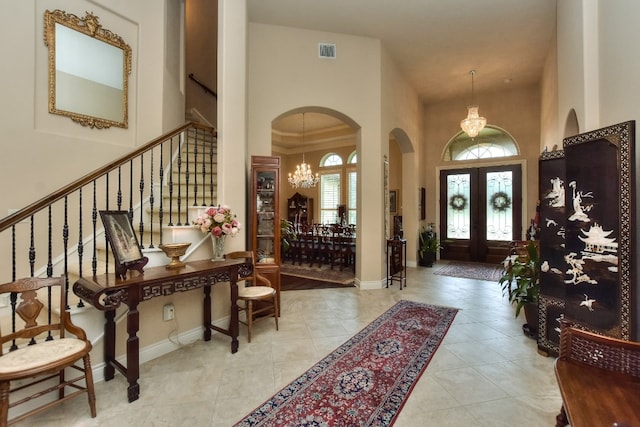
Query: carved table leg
(207,312)
(561,418)
(233,326)
(133,348)
(109,344)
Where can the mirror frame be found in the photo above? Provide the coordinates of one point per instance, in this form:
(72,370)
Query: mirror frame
(88,26)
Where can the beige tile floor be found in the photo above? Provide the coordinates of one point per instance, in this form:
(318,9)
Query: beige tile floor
(485,373)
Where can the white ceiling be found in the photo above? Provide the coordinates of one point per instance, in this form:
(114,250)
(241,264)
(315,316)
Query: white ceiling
(435,42)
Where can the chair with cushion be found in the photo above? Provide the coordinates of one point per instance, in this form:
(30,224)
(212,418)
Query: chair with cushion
(41,358)
(256,296)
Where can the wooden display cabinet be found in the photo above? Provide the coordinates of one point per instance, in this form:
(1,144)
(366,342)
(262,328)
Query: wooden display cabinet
(300,209)
(265,217)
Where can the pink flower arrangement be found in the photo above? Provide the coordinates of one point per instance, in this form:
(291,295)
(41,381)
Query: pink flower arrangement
(218,221)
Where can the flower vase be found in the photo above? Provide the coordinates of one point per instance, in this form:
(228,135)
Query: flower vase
(218,247)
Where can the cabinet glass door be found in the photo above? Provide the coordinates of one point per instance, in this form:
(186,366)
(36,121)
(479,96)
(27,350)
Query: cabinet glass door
(266,215)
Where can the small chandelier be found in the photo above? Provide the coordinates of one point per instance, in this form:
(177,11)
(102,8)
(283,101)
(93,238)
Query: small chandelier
(303,176)
(473,124)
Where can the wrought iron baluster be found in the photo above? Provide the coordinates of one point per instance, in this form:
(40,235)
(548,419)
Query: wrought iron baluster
(80,243)
(49,243)
(141,186)
(106,241)
(119,192)
(179,161)
(65,246)
(94,220)
(195,167)
(14,300)
(160,207)
(204,166)
(213,174)
(151,200)
(131,191)
(13,297)
(32,251)
(171,185)
(186,177)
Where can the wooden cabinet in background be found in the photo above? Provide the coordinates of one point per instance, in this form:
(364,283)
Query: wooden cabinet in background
(300,209)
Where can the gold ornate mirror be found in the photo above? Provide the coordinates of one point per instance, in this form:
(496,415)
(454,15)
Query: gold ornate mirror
(89,68)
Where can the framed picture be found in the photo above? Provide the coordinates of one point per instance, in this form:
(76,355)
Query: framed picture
(122,239)
(393,201)
(423,208)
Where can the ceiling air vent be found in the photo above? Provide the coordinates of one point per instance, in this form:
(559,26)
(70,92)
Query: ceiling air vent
(327,50)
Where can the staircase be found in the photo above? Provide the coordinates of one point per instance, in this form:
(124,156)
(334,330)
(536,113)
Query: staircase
(162,185)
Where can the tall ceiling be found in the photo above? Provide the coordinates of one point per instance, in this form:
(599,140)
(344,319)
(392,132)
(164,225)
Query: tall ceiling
(435,43)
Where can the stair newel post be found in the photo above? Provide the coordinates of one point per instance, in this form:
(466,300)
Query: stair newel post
(179,201)
(141,186)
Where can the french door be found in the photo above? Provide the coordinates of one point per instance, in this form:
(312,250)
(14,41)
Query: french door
(480,212)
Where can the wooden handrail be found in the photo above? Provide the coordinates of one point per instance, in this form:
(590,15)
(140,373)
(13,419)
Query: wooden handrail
(29,210)
(202,85)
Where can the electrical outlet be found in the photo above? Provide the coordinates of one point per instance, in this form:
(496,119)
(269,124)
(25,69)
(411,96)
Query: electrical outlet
(168,312)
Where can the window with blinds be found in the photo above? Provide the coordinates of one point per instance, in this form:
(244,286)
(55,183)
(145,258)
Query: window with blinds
(352,196)
(329,197)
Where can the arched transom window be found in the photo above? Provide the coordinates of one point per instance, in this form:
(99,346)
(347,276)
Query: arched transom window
(331,159)
(491,142)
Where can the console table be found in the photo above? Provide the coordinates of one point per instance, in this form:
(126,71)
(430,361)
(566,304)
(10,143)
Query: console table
(106,292)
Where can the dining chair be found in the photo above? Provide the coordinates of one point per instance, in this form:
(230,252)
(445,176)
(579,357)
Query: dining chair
(256,296)
(37,357)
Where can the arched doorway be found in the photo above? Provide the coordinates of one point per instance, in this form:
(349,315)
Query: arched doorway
(327,141)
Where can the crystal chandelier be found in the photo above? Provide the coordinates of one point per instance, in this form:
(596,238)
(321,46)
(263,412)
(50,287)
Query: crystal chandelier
(303,176)
(473,124)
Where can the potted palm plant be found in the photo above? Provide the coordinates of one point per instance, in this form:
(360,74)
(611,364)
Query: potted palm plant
(520,283)
(428,247)
(287,235)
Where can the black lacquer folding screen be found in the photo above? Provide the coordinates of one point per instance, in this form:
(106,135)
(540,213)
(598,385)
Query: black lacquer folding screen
(587,220)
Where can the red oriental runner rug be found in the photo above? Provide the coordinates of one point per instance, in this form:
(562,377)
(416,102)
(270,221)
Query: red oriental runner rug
(366,380)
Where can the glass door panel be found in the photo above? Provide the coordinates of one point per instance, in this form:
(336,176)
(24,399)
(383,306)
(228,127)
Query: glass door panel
(480,212)
(499,206)
(458,210)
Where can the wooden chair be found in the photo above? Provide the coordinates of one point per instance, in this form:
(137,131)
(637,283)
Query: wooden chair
(325,246)
(599,379)
(258,298)
(308,245)
(42,354)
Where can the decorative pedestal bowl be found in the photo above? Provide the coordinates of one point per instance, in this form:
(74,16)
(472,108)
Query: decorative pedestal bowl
(174,251)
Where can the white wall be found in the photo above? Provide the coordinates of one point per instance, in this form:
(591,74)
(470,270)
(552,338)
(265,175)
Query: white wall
(48,151)
(285,73)
(619,68)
